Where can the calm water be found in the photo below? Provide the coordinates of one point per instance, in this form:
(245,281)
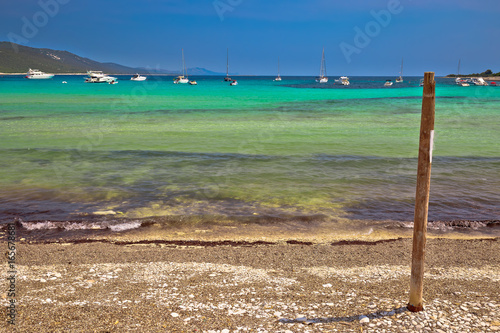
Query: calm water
(262,151)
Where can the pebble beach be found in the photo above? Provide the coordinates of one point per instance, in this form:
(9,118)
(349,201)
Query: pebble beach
(287,286)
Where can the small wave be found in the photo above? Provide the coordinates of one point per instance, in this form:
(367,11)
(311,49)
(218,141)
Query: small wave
(125,226)
(455,225)
(73,226)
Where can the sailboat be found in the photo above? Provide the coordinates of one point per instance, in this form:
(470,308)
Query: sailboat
(181,78)
(322,72)
(400,78)
(227,78)
(463,82)
(278,78)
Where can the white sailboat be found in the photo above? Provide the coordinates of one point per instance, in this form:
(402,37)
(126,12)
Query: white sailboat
(400,78)
(278,78)
(322,72)
(227,78)
(458,80)
(182,78)
(463,82)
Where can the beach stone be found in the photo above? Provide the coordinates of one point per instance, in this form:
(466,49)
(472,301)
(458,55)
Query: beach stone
(175,315)
(364,320)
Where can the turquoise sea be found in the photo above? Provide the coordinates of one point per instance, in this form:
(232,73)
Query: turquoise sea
(263,152)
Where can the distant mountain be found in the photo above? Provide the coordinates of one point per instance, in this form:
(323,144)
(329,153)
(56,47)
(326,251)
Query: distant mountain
(54,61)
(190,71)
(202,71)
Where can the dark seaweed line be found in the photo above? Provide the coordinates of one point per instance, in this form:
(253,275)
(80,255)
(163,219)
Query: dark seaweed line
(175,243)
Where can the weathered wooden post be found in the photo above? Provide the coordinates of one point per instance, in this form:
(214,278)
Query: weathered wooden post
(422,192)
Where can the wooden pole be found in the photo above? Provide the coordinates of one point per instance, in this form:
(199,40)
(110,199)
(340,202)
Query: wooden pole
(422,192)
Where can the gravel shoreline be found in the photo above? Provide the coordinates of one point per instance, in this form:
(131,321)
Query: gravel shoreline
(280,287)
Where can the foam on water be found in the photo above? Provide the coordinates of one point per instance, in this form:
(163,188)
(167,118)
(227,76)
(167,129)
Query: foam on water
(115,226)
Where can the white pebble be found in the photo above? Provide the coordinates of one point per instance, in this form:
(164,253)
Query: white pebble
(173,314)
(364,319)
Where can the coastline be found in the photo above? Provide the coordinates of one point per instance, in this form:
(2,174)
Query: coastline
(98,286)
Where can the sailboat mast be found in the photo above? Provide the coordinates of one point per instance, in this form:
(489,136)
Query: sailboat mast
(183,64)
(458,70)
(278,66)
(227,63)
(401,73)
(322,72)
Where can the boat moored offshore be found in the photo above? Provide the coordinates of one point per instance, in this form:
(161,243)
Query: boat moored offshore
(322,78)
(37,74)
(138,77)
(99,77)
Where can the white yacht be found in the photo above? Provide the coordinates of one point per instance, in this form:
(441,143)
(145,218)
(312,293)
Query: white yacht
(182,78)
(37,74)
(388,83)
(479,81)
(322,78)
(344,80)
(138,77)
(99,77)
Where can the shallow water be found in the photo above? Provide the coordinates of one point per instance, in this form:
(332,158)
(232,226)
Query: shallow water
(262,151)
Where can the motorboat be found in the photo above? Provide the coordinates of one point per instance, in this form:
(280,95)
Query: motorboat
(234,83)
(344,80)
(182,78)
(64,82)
(479,81)
(193,83)
(322,78)
(138,77)
(421,84)
(388,83)
(99,77)
(37,74)
(113,82)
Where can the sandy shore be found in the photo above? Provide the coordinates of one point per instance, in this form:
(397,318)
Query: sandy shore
(279,287)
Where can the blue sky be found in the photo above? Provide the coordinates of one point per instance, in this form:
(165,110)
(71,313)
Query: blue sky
(360,37)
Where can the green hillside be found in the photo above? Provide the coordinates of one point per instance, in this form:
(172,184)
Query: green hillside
(486,73)
(51,61)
